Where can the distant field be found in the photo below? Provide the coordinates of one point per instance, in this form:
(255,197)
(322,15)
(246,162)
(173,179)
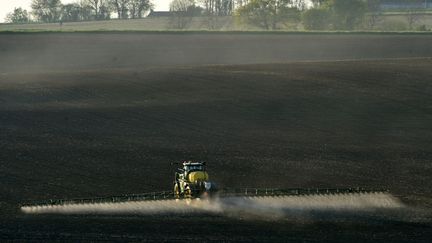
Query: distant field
(388,21)
(159,23)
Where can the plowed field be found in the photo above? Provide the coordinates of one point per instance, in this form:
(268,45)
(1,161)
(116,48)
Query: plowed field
(85,115)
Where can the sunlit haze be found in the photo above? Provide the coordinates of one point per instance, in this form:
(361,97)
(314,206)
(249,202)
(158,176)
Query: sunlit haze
(7,6)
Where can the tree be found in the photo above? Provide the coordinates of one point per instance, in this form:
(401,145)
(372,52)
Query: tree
(100,8)
(86,12)
(46,10)
(71,12)
(137,8)
(181,5)
(213,9)
(319,3)
(268,13)
(336,14)
(316,19)
(183,12)
(374,13)
(220,7)
(105,11)
(348,14)
(300,4)
(18,16)
(121,7)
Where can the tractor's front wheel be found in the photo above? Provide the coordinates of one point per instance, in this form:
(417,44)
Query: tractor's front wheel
(188,192)
(176,191)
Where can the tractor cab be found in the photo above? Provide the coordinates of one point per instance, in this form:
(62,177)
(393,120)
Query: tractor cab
(192,172)
(188,167)
(193,166)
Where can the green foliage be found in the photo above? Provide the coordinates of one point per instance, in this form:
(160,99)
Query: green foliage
(101,9)
(138,7)
(316,19)
(268,14)
(86,13)
(18,16)
(71,12)
(47,10)
(335,14)
(348,14)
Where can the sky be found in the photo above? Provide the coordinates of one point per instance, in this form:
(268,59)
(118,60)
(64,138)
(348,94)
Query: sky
(7,6)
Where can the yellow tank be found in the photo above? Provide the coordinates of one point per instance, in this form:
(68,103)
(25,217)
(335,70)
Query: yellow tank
(197,176)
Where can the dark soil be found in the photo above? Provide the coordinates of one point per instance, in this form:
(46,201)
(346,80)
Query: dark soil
(113,127)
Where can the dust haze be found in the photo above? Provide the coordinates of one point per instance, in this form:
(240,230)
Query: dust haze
(364,206)
(96,51)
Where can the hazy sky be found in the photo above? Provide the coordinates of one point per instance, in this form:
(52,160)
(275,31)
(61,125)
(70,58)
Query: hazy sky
(7,6)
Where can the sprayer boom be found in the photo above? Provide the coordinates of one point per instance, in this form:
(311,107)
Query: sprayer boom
(227,192)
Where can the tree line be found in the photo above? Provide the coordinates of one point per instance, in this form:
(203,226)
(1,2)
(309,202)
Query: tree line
(266,14)
(50,11)
(280,14)
(353,14)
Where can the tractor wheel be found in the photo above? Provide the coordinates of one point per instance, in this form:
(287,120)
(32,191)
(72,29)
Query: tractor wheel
(188,192)
(176,191)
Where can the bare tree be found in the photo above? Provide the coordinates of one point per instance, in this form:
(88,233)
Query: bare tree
(213,9)
(121,7)
(86,11)
(95,5)
(100,8)
(300,4)
(137,8)
(220,7)
(182,12)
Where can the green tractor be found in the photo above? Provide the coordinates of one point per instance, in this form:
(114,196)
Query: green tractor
(192,181)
